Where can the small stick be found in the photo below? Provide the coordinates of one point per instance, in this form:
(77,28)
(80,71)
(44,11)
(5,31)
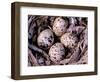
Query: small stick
(83,59)
(40,51)
(30,20)
(74,57)
(50,27)
(32,59)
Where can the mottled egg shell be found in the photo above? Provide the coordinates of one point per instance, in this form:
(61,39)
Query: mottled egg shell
(69,40)
(56,52)
(59,26)
(45,39)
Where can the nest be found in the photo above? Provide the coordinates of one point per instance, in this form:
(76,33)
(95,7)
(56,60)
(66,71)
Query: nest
(77,26)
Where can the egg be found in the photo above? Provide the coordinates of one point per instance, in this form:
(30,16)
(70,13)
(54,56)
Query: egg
(45,39)
(69,40)
(56,53)
(59,26)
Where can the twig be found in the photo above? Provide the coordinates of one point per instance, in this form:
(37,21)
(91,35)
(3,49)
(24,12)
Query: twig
(75,56)
(40,51)
(83,59)
(32,59)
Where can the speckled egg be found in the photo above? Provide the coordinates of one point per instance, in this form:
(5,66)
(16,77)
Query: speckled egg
(69,40)
(56,53)
(59,26)
(45,39)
